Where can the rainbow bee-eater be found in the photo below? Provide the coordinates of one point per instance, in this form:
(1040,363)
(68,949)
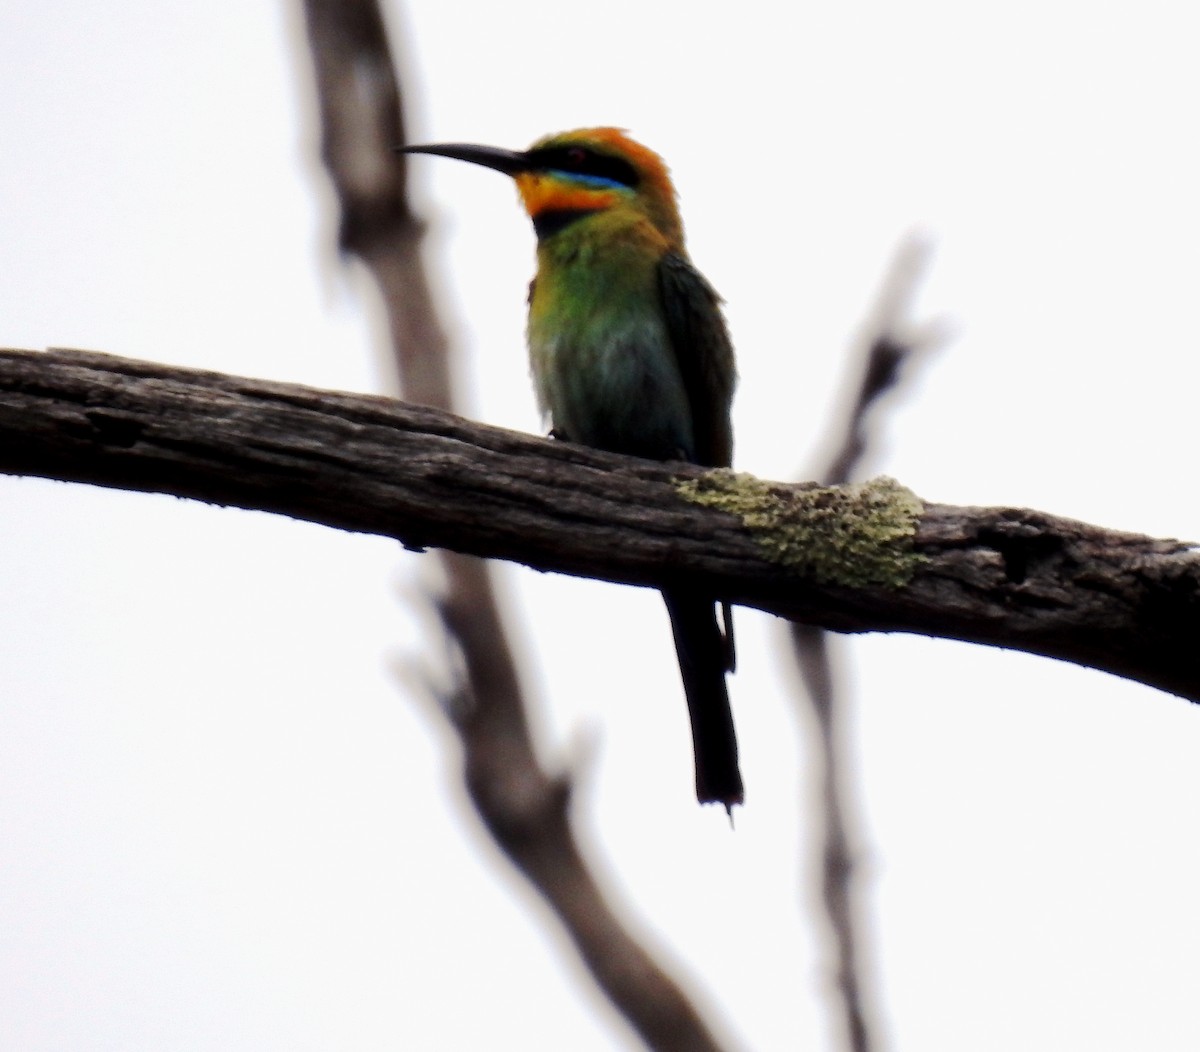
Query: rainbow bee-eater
(630,354)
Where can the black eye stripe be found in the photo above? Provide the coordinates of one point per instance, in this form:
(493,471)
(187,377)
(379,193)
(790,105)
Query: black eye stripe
(586,162)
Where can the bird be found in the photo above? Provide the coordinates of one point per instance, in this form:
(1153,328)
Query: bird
(630,353)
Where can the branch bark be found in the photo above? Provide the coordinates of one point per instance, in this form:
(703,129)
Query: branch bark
(1008,577)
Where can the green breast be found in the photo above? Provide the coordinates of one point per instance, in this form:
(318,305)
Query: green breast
(602,359)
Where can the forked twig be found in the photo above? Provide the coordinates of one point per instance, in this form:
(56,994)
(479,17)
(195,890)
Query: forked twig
(888,342)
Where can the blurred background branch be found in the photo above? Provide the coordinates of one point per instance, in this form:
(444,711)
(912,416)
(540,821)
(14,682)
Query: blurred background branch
(888,343)
(526,810)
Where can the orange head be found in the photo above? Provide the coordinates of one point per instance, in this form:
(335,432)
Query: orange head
(565,176)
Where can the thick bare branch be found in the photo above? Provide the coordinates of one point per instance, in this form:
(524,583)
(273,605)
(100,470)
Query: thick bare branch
(1007,577)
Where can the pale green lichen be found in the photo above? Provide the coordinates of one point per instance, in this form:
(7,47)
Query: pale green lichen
(855,535)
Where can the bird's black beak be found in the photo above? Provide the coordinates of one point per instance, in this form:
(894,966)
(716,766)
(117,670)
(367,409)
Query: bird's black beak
(506,161)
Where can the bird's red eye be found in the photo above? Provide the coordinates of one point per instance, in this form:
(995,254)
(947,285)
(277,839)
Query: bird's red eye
(577,155)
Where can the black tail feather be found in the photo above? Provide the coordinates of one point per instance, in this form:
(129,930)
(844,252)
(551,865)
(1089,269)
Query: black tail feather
(730,649)
(705,654)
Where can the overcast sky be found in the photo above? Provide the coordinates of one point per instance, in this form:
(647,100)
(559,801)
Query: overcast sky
(227,821)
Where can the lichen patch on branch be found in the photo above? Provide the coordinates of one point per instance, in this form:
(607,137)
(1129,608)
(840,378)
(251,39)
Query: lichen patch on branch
(856,535)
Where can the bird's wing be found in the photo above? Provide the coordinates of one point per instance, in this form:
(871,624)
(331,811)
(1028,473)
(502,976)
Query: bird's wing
(703,353)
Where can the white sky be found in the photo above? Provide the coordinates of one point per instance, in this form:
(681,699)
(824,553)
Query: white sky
(224,825)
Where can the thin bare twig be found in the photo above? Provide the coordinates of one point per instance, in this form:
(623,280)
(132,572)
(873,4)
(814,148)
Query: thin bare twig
(887,344)
(525,810)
